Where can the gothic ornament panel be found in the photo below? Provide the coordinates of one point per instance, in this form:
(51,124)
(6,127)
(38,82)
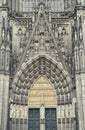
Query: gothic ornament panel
(42,93)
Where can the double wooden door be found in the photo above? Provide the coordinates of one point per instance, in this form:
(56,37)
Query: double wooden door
(34,119)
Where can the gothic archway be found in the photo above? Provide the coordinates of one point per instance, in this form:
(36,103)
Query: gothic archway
(41,66)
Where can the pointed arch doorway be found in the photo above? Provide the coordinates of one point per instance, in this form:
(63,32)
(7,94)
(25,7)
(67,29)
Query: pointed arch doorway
(42,102)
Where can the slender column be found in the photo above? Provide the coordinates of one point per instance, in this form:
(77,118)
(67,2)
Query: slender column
(5,102)
(26,124)
(61,116)
(69,117)
(3,105)
(65,123)
(23,117)
(0,101)
(11,115)
(20,5)
(17,5)
(13,5)
(12,123)
(20,114)
(15,118)
(64,112)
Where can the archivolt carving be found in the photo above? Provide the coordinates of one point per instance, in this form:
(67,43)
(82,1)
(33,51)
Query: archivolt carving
(42,66)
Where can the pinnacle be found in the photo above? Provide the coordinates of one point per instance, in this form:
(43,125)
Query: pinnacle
(42,3)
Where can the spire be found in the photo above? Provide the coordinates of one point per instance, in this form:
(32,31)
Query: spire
(80,29)
(7,60)
(8,40)
(3,29)
(8,36)
(5,47)
(76,35)
(8,33)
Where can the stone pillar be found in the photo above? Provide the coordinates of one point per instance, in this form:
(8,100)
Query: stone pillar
(79,102)
(4,100)
(83,96)
(1,97)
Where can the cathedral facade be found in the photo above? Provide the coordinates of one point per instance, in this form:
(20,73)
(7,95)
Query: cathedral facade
(42,64)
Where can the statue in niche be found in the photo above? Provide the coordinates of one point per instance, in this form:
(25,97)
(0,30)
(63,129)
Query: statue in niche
(42,44)
(42,112)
